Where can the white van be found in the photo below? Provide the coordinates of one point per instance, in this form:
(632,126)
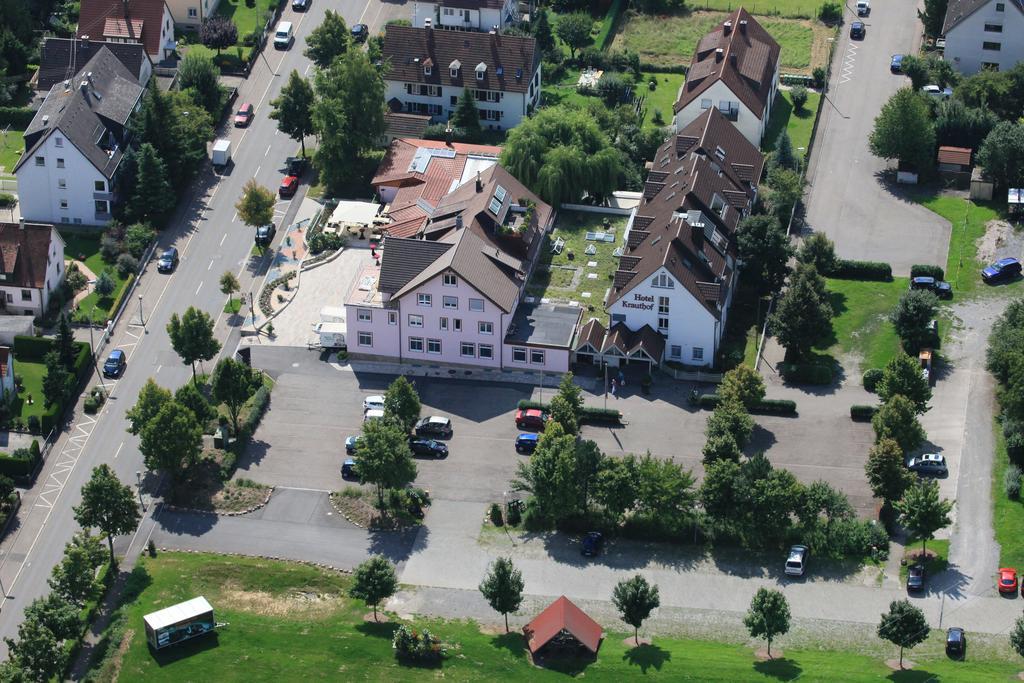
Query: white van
(284,37)
(332,314)
(373,415)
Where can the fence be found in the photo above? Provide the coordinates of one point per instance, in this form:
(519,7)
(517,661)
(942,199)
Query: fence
(9,185)
(697,375)
(590,208)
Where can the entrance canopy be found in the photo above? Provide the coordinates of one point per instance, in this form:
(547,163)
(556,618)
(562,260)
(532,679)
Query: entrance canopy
(354,214)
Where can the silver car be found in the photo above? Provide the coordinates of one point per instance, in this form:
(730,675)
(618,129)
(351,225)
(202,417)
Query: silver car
(796,563)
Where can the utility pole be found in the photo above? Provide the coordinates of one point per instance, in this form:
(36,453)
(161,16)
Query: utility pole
(142,319)
(92,350)
(138,478)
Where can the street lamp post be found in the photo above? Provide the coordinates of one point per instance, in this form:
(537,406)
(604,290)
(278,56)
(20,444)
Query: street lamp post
(138,478)
(142,319)
(92,349)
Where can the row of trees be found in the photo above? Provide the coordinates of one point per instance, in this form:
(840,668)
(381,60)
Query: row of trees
(1005,360)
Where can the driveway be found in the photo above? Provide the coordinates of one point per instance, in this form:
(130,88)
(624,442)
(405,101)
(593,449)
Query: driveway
(867,217)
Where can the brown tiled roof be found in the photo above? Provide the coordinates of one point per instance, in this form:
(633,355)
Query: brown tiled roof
(510,60)
(563,615)
(591,333)
(5,357)
(955,155)
(399,125)
(26,252)
(101,19)
(404,259)
(747,63)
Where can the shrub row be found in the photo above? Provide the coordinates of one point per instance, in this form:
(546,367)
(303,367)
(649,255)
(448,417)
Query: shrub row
(120,297)
(871,379)
(808,373)
(862,413)
(921,270)
(662,69)
(863,270)
(587,413)
(764,406)
(32,349)
(21,462)
(256,405)
(798,79)
(19,117)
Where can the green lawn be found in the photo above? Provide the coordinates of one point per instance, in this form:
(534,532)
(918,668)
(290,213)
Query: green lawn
(11,146)
(742,330)
(31,376)
(246,18)
(290,622)
(557,284)
(661,98)
(1007,515)
(798,9)
(87,245)
(934,564)
(799,125)
(860,324)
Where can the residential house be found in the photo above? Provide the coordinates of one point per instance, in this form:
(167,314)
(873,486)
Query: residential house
(466,15)
(189,14)
(7,389)
(984,34)
(61,58)
(75,143)
(415,175)
(453,294)
(735,69)
(678,270)
(32,267)
(129,21)
(429,69)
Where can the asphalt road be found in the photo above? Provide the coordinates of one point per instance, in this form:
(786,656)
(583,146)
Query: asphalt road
(210,240)
(849,199)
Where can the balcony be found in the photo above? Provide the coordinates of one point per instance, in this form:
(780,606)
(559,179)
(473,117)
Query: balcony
(731,113)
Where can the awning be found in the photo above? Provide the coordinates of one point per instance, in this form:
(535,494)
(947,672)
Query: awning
(355,213)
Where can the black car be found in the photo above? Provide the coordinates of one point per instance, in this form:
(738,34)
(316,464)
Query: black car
(857,30)
(915,578)
(360,32)
(296,166)
(300,5)
(265,235)
(592,542)
(940,288)
(434,449)
(956,642)
(168,260)
(435,425)
(348,469)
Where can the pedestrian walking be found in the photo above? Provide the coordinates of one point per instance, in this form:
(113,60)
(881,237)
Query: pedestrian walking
(614,387)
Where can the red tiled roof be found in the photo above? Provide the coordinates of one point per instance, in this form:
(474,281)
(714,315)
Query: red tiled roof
(119,27)
(561,615)
(960,156)
(26,252)
(5,353)
(100,19)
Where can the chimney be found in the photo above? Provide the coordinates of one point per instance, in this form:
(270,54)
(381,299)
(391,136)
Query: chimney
(743,26)
(84,87)
(428,23)
(727,27)
(719,54)
(479,183)
(85,42)
(732,60)
(448,135)
(88,77)
(458,221)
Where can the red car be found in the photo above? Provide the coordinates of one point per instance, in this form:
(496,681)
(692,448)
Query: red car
(244,115)
(288,186)
(531,418)
(1008,580)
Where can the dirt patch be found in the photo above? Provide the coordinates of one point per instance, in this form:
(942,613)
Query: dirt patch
(631,642)
(301,604)
(359,506)
(1000,240)
(381,618)
(822,42)
(762,655)
(894,664)
(205,489)
(118,657)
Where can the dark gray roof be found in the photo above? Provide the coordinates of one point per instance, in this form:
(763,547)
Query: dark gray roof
(543,325)
(62,58)
(958,10)
(404,259)
(92,113)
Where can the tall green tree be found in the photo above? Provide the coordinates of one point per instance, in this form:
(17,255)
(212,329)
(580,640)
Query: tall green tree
(502,587)
(959,125)
(65,342)
(152,397)
(74,577)
(229,285)
(192,336)
(233,384)
(563,414)
(742,384)
(933,16)
(922,512)
(542,32)
(768,616)
(783,156)
(107,505)
(105,285)
(910,318)
(467,115)
(902,376)
(293,108)
(256,205)
(897,420)
(153,198)
(665,491)
(402,403)
(728,430)
(617,486)
(1017,636)
(803,314)
(37,654)
(904,625)
(1002,154)
(819,251)
(785,188)
(171,441)
(188,395)
(57,382)
(198,73)
(574,30)
(904,130)
(635,599)
(887,475)
(328,40)
(374,581)
(550,474)
(384,458)
(765,251)
(57,615)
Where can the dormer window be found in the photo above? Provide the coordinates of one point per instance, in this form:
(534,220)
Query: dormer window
(663,281)
(454,67)
(426,70)
(481,71)
(718,205)
(720,153)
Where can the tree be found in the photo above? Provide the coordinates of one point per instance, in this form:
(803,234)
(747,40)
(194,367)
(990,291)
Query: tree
(229,285)
(783,156)
(74,577)
(550,474)
(1017,636)
(803,313)
(467,116)
(742,384)
(192,336)
(502,587)
(1000,92)
(768,616)
(402,404)
(958,125)
(764,250)
(768,498)
(819,251)
(188,395)
(618,485)
(933,16)
(915,310)
(57,382)
(904,625)
(137,238)
(177,128)
(922,512)
(152,397)
(108,505)
(256,206)
(728,431)
(384,457)
(916,69)
(348,115)
(664,491)
(232,385)
(64,342)
(172,440)
(373,581)
(36,653)
(57,615)
(1006,341)
(293,108)
(635,599)
(198,73)
(785,187)
(720,446)
(798,94)
(902,376)
(104,285)
(574,30)
(897,420)
(153,198)
(904,131)
(567,405)
(887,475)
(542,32)
(218,32)
(1002,154)
(328,40)
(589,460)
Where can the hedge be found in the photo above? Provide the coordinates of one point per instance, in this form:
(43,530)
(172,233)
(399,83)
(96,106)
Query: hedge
(764,406)
(33,349)
(587,413)
(18,117)
(807,373)
(16,467)
(862,413)
(863,270)
(920,270)
(871,378)
(124,292)
(607,26)
(256,405)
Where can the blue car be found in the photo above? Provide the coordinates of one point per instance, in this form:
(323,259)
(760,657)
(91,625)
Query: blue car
(592,542)
(1001,271)
(896,64)
(527,443)
(115,364)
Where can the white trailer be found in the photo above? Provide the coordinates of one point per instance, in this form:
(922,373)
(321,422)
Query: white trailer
(221,154)
(332,335)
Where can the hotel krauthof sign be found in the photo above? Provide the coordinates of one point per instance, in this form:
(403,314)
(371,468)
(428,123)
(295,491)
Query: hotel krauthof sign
(642,302)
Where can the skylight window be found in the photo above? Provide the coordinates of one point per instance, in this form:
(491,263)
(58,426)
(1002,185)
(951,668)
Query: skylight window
(497,200)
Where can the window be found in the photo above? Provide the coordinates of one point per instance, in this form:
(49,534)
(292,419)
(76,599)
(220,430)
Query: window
(433,346)
(59,141)
(663,281)
(450,280)
(467,349)
(454,99)
(994,47)
(364,315)
(444,323)
(991,28)
(485,351)
(392,317)
(518,355)
(423,300)
(662,305)
(457,324)
(449,12)
(60,163)
(427,69)
(1000,6)
(618,318)
(415,320)
(64,219)
(62,183)
(450,301)
(99,186)
(26,295)
(705,103)
(476,305)
(676,351)
(720,153)
(64,204)
(416,344)
(698,353)
(718,205)
(366,339)
(101,206)
(662,324)
(480,74)
(40,161)
(536,356)
(192,13)
(485,327)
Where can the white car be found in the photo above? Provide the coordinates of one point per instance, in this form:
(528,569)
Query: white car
(373,403)
(936,91)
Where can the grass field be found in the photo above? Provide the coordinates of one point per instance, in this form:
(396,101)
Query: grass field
(933,565)
(11,146)
(799,9)
(291,622)
(799,125)
(88,245)
(31,375)
(1007,515)
(661,98)
(860,325)
(247,19)
(560,284)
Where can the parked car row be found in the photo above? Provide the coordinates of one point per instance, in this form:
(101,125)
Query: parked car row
(420,441)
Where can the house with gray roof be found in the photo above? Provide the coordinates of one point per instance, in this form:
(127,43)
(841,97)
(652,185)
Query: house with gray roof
(75,144)
(61,58)
(984,34)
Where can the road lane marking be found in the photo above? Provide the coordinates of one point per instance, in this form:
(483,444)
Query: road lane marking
(158,369)
(210,266)
(199,287)
(118,450)
(257,172)
(308,66)
(268,150)
(233,219)
(224,237)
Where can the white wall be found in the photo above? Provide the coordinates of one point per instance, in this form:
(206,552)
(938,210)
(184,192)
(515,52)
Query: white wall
(965,40)
(179,11)
(479,19)
(43,203)
(54,266)
(748,124)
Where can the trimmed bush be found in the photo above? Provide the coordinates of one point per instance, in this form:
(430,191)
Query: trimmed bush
(871,379)
(920,270)
(256,405)
(862,413)
(587,413)
(50,419)
(495,514)
(7,200)
(34,424)
(807,373)
(417,646)
(16,467)
(1011,482)
(863,270)
(227,465)
(18,117)
(32,348)
(764,406)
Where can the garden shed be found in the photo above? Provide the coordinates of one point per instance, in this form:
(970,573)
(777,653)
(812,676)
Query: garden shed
(563,628)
